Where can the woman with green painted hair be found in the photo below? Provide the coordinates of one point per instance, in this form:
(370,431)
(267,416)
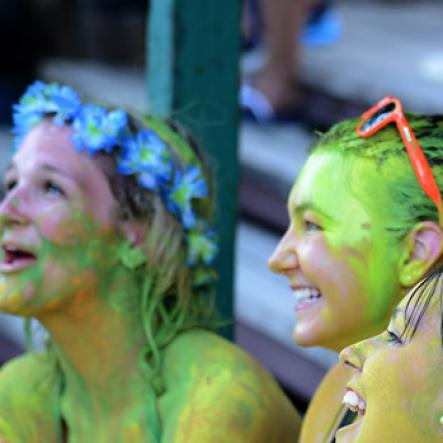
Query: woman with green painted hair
(106,240)
(365,226)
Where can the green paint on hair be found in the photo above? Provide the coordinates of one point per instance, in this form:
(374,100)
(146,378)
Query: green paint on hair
(408,204)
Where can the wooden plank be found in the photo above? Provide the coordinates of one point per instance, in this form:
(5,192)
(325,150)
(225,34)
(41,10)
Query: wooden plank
(160,53)
(203,88)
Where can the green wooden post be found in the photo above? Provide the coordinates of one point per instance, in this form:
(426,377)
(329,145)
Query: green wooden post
(193,76)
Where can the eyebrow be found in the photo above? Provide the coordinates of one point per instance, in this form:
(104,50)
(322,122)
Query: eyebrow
(308,206)
(51,168)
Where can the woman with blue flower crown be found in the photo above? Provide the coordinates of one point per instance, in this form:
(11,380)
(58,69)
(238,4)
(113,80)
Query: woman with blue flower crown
(106,240)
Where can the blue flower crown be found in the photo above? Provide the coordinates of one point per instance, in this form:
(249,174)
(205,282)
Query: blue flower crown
(146,155)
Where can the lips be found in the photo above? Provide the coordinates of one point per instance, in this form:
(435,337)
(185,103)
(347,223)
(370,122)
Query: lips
(16,257)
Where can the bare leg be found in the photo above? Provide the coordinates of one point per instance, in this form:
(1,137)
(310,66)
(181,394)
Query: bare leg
(278,80)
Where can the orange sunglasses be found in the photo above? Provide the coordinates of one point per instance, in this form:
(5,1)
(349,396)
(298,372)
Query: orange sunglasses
(389,110)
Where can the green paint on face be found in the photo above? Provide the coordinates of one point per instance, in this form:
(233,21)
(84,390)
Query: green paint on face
(337,211)
(61,265)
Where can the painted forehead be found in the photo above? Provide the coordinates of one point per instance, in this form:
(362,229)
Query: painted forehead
(332,183)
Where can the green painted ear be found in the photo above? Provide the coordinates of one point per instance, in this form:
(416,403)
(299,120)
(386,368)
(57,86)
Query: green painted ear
(423,249)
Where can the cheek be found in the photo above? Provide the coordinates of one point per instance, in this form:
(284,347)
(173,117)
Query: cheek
(399,383)
(385,384)
(65,227)
(60,233)
(315,258)
(336,273)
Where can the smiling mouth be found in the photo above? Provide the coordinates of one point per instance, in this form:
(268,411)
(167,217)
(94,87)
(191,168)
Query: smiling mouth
(354,402)
(306,297)
(15,258)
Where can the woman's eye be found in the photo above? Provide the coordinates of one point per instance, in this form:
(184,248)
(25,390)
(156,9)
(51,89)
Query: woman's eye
(311,226)
(393,338)
(51,188)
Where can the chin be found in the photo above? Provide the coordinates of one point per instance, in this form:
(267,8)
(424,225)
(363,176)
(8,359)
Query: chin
(310,338)
(304,338)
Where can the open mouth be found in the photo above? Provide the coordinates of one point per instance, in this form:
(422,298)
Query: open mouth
(15,258)
(306,297)
(354,402)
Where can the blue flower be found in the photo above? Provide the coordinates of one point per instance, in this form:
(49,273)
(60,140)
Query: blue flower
(186,187)
(148,156)
(41,99)
(95,129)
(202,246)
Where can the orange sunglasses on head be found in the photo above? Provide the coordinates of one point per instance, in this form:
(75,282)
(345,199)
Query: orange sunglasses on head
(389,110)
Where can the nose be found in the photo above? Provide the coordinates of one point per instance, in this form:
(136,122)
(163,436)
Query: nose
(11,211)
(284,258)
(350,358)
(356,355)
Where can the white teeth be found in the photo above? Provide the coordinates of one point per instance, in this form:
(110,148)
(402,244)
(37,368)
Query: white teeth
(350,399)
(306,295)
(354,402)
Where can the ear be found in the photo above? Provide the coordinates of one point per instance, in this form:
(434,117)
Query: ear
(134,232)
(423,249)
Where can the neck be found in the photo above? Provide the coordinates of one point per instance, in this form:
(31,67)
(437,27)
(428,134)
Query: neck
(97,340)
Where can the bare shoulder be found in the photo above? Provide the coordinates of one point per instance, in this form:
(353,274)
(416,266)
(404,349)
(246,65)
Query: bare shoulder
(216,392)
(200,351)
(27,389)
(324,408)
(32,373)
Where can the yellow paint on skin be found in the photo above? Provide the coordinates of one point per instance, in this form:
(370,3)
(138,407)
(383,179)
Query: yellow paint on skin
(401,382)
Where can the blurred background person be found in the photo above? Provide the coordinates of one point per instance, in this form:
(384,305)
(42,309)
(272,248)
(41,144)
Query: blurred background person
(274,92)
